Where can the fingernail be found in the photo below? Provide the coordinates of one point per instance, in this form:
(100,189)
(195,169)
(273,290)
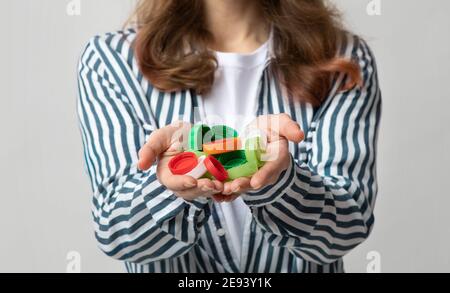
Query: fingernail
(207,189)
(257,187)
(190,185)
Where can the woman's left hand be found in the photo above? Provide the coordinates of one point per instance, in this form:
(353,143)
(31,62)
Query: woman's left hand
(280,129)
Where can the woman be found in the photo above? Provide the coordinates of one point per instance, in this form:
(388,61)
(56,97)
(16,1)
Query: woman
(287,64)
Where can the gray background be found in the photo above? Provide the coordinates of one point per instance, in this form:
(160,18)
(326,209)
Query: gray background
(45,197)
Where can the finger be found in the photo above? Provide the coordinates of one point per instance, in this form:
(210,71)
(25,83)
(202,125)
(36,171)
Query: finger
(178,182)
(218,186)
(278,125)
(237,186)
(240,185)
(288,128)
(207,186)
(203,189)
(152,149)
(227,189)
(159,142)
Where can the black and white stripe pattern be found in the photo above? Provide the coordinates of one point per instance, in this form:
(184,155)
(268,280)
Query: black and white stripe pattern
(320,209)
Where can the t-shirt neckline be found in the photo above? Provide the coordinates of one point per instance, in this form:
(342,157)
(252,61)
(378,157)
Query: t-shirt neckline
(244,60)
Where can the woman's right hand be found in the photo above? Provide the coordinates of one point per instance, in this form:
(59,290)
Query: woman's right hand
(163,145)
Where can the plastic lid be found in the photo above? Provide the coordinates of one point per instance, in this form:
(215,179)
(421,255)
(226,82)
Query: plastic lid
(183,163)
(223,132)
(222,146)
(197,136)
(246,170)
(216,169)
(233,159)
(197,153)
(199,170)
(254,147)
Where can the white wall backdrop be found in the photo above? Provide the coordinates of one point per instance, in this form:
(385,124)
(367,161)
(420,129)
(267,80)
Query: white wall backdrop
(45,197)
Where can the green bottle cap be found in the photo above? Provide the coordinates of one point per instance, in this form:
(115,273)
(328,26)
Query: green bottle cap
(197,136)
(233,159)
(237,165)
(254,148)
(246,170)
(223,132)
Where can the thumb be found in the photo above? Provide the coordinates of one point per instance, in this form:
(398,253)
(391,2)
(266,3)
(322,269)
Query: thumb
(290,129)
(159,142)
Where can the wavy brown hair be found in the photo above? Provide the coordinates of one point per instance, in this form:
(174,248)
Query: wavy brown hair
(172,46)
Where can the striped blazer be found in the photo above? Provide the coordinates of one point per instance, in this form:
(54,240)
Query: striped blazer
(320,209)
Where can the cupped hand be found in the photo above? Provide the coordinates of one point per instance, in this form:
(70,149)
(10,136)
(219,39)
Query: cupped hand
(162,146)
(279,129)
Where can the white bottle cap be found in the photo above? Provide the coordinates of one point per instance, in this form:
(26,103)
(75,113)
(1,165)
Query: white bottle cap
(200,170)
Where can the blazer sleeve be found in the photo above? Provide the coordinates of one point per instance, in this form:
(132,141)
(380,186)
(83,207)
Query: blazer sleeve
(136,219)
(322,207)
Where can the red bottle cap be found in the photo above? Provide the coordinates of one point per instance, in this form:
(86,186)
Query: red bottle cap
(216,169)
(183,163)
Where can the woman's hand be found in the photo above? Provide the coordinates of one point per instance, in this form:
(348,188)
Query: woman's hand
(163,145)
(280,129)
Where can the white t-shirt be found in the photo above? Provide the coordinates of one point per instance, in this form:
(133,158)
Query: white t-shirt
(233,102)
